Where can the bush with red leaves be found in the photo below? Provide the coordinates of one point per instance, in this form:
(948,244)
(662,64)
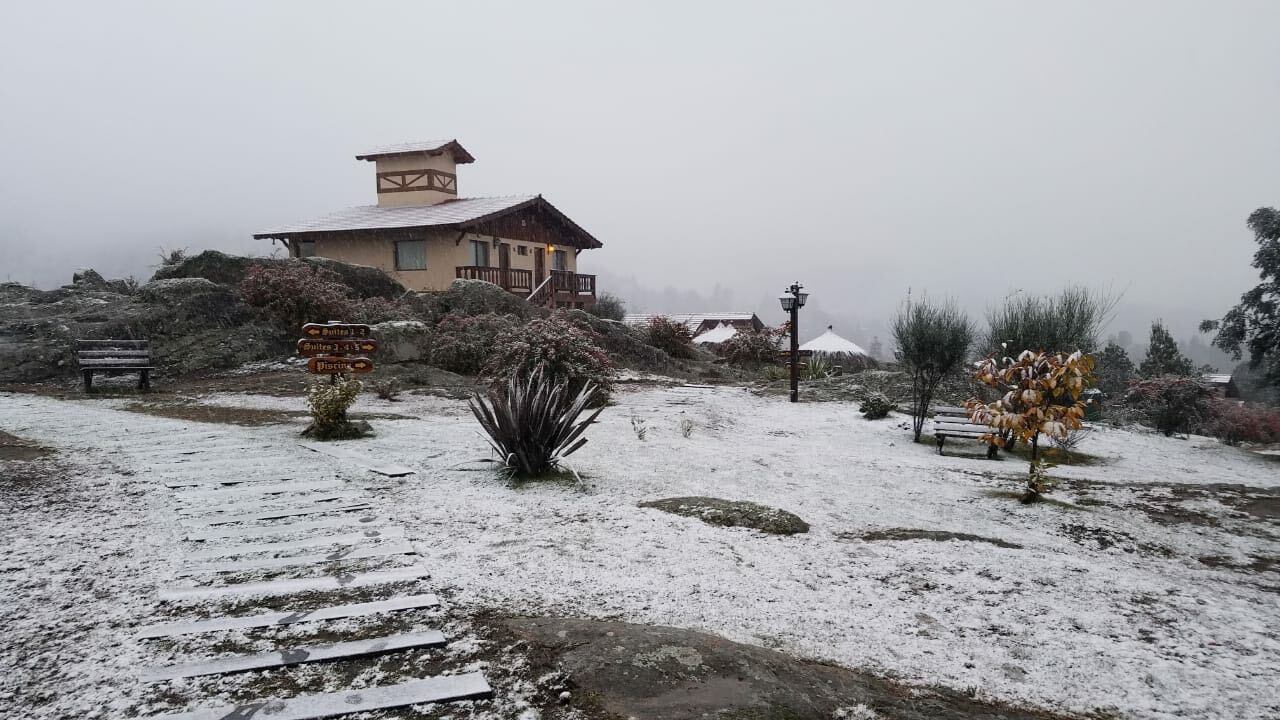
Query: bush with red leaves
(1234,422)
(295,293)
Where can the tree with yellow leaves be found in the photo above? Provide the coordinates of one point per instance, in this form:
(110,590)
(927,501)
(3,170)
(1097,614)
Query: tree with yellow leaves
(1040,394)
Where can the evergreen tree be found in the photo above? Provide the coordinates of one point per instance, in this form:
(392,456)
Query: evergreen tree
(1255,322)
(1114,370)
(1163,356)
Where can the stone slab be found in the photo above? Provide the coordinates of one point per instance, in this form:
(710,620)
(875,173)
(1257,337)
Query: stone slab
(291,585)
(408,602)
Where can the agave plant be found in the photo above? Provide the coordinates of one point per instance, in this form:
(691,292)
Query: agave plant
(532,422)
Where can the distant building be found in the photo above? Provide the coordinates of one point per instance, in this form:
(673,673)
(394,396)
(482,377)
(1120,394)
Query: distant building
(1223,384)
(699,323)
(425,236)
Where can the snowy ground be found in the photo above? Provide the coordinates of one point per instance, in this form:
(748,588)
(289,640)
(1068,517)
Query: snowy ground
(1107,604)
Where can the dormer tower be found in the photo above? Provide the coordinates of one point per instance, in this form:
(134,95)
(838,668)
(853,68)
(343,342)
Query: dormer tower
(421,173)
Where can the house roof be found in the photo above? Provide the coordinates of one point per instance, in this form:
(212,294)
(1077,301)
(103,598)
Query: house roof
(717,334)
(461,213)
(430,147)
(1216,378)
(830,342)
(693,321)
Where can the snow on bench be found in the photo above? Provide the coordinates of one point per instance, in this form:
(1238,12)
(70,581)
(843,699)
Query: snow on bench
(114,356)
(954,422)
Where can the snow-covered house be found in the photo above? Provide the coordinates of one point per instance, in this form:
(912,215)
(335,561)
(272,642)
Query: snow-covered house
(699,323)
(424,235)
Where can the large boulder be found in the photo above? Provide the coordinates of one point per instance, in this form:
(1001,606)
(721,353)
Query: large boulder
(177,289)
(401,341)
(470,297)
(732,513)
(224,269)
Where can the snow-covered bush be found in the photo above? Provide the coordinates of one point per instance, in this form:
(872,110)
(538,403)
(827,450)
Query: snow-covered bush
(609,307)
(933,342)
(670,337)
(294,293)
(532,422)
(329,402)
(1234,422)
(751,348)
(463,344)
(388,389)
(561,350)
(1064,323)
(1171,403)
(875,406)
(376,310)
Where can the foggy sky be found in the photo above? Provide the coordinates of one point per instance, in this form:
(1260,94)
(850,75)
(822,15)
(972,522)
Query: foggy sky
(965,149)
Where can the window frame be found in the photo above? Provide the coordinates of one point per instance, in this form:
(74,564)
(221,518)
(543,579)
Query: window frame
(476,245)
(395,252)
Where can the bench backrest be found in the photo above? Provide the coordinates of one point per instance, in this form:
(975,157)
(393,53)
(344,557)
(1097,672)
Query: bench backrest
(113,353)
(954,421)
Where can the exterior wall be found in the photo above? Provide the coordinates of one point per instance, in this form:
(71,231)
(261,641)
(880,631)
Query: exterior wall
(422,161)
(443,256)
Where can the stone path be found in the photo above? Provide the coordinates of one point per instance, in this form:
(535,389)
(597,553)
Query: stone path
(251,533)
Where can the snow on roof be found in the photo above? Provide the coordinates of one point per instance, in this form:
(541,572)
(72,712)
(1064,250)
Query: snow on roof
(717,334)
(460,154)
(830,342)
(693,321)
(372,217)
(1216,378)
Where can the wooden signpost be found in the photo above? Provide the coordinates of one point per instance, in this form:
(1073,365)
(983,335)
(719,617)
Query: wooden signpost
(337,348)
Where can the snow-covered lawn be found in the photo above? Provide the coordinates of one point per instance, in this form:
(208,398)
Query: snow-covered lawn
(1105,605)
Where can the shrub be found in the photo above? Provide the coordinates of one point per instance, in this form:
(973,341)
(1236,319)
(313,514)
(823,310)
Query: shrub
(561,350)
(1065,323)
(294,293)
(817,368)
(1039,394)
(329,402)
(388,389)
(686,427)
(377,309)
(876,405)
(463,344)
(1170,403)
(933,342)
(532,422)
(1234,422)
(609,307)
(670,337)
(751,348)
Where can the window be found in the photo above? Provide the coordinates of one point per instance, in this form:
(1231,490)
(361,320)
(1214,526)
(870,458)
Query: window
(411,254)
(306,248)
(522,249)
(559,260)
(480,253)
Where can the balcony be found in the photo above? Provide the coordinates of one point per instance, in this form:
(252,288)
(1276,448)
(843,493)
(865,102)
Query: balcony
(560,289)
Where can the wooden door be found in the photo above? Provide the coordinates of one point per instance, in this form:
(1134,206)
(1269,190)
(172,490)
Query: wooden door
(504,265)
(539,266)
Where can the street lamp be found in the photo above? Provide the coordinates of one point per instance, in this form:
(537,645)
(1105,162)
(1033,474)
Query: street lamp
(792,300)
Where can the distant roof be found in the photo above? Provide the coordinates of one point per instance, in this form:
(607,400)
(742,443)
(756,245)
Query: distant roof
(460,213)
(717,334)
(430,147)
(1216,378)
(693,321)
(830,342)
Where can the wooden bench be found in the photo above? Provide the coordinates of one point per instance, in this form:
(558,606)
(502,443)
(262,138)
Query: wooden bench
(114,356)
(954,422)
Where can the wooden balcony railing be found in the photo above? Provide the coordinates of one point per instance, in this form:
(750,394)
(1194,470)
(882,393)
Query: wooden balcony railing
(513,279)
(563,286)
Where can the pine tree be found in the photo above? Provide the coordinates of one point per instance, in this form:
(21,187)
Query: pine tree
(1114,371)
(1254,324)
(1163,356)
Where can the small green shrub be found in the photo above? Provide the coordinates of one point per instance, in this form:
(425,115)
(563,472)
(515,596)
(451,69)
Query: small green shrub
(876,405)
(329,402)
(388,389)
(816,368)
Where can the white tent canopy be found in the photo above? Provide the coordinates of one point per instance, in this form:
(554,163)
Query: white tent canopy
(717,334)
(831,343)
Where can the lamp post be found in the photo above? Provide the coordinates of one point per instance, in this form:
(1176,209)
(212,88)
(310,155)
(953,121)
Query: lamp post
(792,300)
